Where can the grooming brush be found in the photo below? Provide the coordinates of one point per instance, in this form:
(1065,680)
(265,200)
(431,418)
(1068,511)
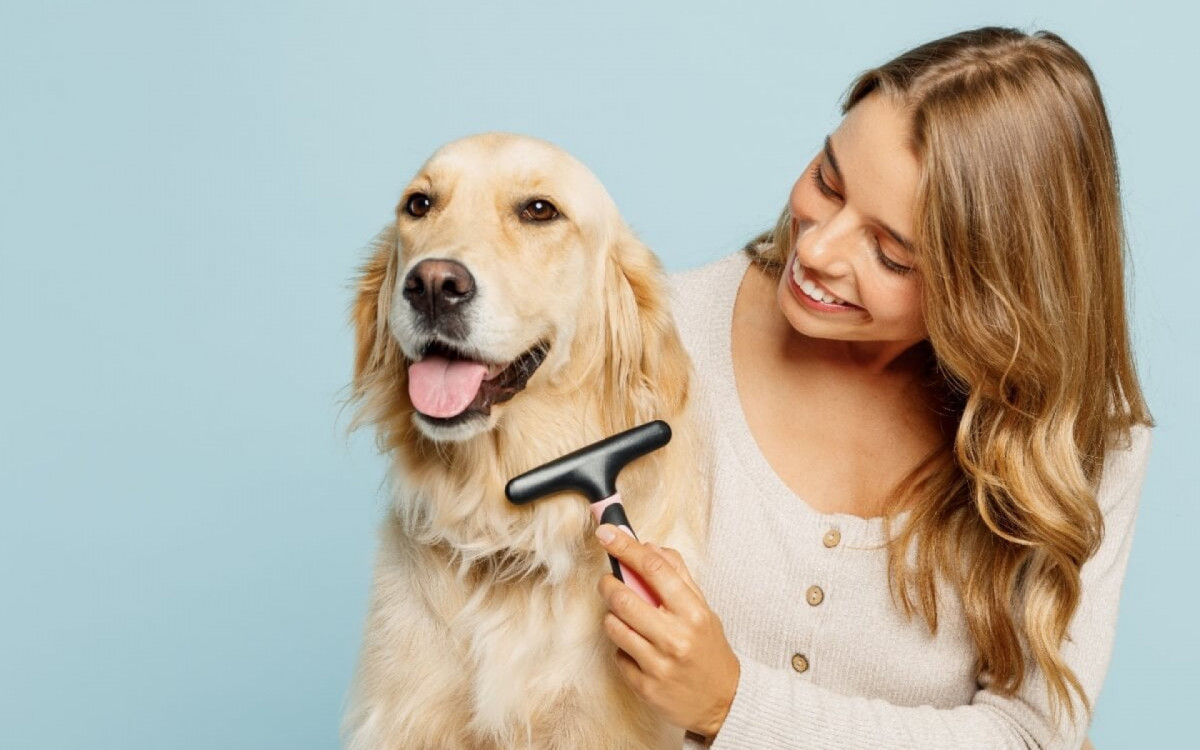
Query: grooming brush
(592,472)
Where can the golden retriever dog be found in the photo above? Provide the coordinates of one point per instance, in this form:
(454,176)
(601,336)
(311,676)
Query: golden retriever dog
(506,317)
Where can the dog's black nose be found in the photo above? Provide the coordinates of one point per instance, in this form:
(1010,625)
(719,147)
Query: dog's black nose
(436,286)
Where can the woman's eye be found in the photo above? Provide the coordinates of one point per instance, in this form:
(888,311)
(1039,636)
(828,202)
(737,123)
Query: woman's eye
(822,185)
(418,205)
(890,264)
(539,210)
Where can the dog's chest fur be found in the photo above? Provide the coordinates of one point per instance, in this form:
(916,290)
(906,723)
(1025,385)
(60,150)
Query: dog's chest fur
(501,663)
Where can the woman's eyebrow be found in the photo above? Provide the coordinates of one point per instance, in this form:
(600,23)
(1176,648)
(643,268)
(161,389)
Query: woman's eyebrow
(904,243)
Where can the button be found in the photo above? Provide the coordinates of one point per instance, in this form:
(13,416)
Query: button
(815,595)
(799,663)
(832,538)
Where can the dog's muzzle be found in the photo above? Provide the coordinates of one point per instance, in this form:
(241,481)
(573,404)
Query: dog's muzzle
(449,381)
(439,290)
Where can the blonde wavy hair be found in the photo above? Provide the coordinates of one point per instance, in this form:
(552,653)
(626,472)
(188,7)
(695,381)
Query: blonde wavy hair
(1021,251)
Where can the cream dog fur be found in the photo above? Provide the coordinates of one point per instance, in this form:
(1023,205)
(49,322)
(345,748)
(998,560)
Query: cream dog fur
(508,270)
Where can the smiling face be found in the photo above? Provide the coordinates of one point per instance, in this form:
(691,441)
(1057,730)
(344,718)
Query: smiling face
(850,275)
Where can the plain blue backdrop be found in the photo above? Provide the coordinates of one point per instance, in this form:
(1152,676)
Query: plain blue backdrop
(186,190)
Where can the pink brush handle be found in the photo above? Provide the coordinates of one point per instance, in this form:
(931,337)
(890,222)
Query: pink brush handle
(631,579)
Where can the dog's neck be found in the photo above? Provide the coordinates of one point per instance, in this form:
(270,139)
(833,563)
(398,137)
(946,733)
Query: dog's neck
(453,494)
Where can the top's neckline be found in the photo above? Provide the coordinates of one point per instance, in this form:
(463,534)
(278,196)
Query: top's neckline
(856,530)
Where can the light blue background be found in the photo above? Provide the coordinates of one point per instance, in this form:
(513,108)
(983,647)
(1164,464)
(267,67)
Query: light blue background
(185,192)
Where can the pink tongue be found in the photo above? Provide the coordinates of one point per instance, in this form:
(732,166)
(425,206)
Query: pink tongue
(442,388)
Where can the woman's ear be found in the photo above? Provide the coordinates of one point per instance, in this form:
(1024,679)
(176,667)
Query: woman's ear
(647,370)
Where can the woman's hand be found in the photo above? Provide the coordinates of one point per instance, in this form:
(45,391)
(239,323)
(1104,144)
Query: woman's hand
(675,657)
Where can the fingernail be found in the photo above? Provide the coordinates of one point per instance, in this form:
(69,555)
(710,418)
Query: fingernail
(606,534)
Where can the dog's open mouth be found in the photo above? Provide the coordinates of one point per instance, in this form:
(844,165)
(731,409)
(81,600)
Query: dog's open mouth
(447,386)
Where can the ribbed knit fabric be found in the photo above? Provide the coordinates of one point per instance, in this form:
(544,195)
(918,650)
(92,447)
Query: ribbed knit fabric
(872,679)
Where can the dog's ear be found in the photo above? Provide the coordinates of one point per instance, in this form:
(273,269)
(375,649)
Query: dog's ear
(370,310)
(377,356)
(647,370)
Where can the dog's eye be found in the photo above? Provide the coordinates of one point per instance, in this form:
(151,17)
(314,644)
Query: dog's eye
(418,205)
(539,210)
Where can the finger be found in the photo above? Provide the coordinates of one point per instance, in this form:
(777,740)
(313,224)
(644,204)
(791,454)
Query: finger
(654,569)
(678,564)
(697,612)
(629,641)
(648,622)
(631,672)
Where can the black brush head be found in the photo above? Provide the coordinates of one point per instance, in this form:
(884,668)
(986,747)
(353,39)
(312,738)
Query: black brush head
(591,470)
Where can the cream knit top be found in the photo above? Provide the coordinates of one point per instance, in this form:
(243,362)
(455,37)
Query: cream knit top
(827,659)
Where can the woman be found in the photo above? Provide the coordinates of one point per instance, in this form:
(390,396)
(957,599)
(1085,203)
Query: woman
(929,437)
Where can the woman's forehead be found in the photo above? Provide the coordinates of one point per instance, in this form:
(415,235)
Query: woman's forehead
(875,161)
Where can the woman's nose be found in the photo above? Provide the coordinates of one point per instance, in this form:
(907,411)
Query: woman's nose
(826,246)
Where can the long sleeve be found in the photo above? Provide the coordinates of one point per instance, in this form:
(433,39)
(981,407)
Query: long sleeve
(777,708)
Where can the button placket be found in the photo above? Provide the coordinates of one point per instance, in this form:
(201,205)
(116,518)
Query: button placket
(815,595)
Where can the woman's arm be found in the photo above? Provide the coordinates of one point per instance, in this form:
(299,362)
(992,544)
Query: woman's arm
(677,659)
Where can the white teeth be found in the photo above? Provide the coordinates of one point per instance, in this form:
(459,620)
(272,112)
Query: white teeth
(809,287)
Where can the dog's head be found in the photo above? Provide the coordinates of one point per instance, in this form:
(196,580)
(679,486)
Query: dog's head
(508,271)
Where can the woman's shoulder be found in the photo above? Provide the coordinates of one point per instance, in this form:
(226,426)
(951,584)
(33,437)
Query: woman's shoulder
(696,290)
(703,296)
(1124,470)
(1130,451)
(1137,442)
(712,273)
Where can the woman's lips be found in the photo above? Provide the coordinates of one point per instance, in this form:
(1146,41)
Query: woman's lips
(811,294)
